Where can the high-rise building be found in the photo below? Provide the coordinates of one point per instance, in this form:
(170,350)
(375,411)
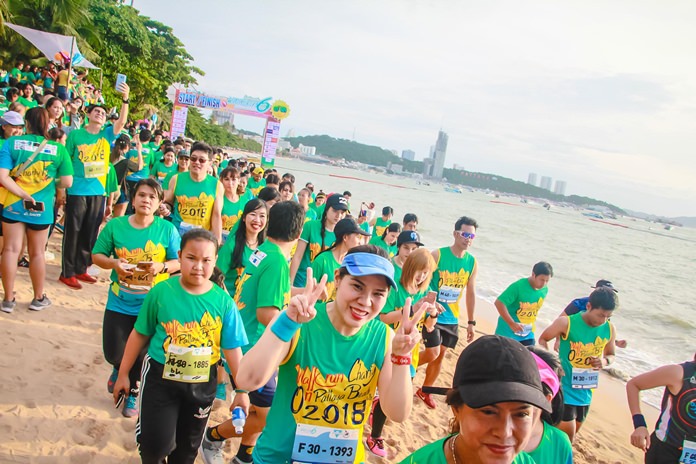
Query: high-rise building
(560,187)
(439,154)
(531,180)
(428,167)
(546,183)
(409,155)
(222,117)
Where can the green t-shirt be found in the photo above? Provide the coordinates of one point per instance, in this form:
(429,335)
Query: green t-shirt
(326,263)
(160,172)
(38,180)
(90,155)
(170,314)
(449,280)
(326,384)
(16,73)
(193,202)
(28,104)
(396,300)
(265,283)
(311,234)
(255,186)
(554,447)
(380,225)
(523,303)
(144,173)
(231,213)
(310,215)
(379,241)
(434,453)
(224,263)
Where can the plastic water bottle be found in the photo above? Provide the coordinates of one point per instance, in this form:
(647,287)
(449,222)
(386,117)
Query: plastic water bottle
(238,419)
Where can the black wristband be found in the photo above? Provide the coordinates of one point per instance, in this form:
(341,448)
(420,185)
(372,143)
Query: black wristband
(471,322)
(639,421)
(126,101)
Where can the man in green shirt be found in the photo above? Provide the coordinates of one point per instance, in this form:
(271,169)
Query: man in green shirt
(263,291)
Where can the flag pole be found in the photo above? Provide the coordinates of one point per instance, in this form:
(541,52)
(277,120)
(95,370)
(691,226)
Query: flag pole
(72,50)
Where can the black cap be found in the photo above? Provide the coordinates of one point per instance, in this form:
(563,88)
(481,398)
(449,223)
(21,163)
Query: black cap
(408,236)
(496,369)
(337,202)
(347,226)
(605,283)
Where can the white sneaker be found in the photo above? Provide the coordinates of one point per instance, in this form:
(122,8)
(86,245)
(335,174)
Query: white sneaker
(212,451)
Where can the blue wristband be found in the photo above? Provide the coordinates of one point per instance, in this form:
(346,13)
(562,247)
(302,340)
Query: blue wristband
(284,327)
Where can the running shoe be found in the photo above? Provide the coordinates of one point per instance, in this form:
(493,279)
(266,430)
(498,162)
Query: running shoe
(130,407)
(24,262)
(86,278)
(8,306)
(112,380)
(212,451)
(427,398)
(376,446)
(221,392)
(60,228)
(40,305)
(71,282)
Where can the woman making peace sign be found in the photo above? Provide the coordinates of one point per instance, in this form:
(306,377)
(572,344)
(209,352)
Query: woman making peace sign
(332,357)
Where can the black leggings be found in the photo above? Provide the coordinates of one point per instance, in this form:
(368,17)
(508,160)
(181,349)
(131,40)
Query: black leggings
(173,416)
(661,453)
(115,331)
(83,216)
(378,421)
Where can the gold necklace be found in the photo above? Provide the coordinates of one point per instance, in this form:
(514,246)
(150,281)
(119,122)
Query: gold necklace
(454,456)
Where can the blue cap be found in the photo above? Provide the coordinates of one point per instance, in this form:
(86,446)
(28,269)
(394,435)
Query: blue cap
(364,264)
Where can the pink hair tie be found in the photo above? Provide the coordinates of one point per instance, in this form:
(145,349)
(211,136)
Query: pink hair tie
(548,376)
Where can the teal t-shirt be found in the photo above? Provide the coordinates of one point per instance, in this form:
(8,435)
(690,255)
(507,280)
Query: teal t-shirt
(326,263)
(326,386)
(224,263)
(523,303)
(554,447)
(265,283)
(449,281)
(158,243)
(170,314)
(434,453)
(160,172)
(144,173)
(90,155)
(311,234)
(310,215)
(38,179)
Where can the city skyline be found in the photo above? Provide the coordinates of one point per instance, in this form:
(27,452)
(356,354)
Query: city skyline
(609,110)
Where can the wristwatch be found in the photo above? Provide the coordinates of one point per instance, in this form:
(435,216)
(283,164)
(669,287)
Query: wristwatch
(471,322)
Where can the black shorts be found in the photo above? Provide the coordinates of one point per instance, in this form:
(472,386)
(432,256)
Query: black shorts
(442,334)
(575,413)
(661,452)
(263,397)
(36,227)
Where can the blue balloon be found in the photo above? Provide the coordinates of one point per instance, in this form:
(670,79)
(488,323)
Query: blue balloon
(77,58)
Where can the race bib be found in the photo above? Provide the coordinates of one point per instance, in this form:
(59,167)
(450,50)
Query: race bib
(187,364)
(324,445)
(688,455)
(94,169)
(449,294)
(139,279)
(185,227)
(584,379)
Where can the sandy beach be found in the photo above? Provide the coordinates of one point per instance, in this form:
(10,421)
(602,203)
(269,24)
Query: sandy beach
(54,406)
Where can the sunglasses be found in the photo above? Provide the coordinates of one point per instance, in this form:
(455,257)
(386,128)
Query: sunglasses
(467,235)
(199,160)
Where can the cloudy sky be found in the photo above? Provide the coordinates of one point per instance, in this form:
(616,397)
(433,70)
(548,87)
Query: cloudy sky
(601,94)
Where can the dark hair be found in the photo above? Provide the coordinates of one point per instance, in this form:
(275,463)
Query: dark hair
(554,363)
(202,146)
(393,227)
(272,179)
(269,194)
(230,171)
(285,221)
(218,278)
(49,103)
(55,134)
(387,210)
(36,120)
(604,298)
(347,194)
(240,233)
(287,183)
(145,135)
(544,268)
(153,184)
(289,177)
(11,93)
(410,217)
(465,221)
(373,249)
(198,234)
(157,132)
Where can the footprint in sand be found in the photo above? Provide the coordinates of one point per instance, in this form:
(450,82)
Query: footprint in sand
(85,383)
(62,364)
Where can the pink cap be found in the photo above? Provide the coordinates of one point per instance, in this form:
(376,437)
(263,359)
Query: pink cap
(548,376)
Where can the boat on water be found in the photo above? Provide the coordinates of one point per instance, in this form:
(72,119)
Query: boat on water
(593,214)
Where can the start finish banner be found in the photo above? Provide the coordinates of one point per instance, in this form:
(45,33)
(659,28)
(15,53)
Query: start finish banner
(272,110)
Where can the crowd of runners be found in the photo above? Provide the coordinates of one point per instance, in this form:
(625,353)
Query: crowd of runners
(226,277)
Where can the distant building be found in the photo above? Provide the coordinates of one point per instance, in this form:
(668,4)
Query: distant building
(560,187)
(395,167)
(291,133)
(222,117)
(546,182)
(284,145)
(409,155)
(428,167)
(394,152)
(439,155)
(532,179)
(458,167)
(307,150)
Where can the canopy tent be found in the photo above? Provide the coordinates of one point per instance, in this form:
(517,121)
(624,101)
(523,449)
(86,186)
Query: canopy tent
(54,45)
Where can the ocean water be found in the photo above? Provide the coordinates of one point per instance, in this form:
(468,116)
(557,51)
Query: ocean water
(653,268)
